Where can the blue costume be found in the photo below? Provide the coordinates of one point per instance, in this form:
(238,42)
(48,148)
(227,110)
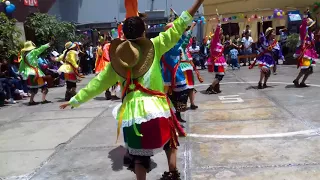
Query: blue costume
(169,61)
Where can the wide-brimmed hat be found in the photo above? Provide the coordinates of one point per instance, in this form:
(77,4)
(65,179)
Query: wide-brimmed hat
(268,31)
(134,56)
(310,22)
(101,39)
(28,46)
(70,45)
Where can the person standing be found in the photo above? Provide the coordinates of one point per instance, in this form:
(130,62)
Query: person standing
(69,69)
(30,70)
(306,53)
(217,60)
(247,47)
(146,116)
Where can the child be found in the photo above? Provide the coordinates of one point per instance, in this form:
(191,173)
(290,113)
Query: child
(234,57)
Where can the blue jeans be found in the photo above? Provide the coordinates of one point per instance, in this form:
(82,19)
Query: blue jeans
(7,86)
(235,63)
(247,52)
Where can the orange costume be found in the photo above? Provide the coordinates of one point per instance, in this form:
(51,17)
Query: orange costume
(102,58)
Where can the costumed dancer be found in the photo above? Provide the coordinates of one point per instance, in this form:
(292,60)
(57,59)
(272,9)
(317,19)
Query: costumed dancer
(99,63)
(30,70)
(216,60)
(146,114)
(306,53)
(69,69)
(187,66)
(269,50)
(174,80)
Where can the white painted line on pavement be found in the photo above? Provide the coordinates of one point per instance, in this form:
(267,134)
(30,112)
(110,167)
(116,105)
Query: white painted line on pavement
(277,135)
(252,82)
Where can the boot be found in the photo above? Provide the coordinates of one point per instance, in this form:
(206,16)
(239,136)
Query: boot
(260,85)
(108,95)
(217,88)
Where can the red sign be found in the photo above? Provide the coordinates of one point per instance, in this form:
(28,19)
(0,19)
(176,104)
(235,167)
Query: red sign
(31,2)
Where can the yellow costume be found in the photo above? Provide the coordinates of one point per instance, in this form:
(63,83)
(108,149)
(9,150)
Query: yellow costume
(69,69)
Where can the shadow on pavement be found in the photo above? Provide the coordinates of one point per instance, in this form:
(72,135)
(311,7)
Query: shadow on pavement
(119,154)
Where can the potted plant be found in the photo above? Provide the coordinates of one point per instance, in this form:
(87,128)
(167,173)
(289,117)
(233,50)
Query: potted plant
(291,44)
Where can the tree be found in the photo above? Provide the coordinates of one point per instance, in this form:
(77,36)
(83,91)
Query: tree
(47,27)
(10,43)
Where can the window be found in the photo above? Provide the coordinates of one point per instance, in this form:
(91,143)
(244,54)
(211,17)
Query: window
(230,29)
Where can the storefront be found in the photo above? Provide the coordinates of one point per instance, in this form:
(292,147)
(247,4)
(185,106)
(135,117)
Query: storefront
(239,13)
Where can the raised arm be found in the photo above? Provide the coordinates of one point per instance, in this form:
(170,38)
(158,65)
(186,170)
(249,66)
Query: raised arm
(40,50)
(303,31)
(96,86)
(215,39)
(166,40)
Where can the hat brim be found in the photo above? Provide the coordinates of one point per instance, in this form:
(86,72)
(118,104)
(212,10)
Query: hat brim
(28,49)
(73,46)
(142,67)
(268,31)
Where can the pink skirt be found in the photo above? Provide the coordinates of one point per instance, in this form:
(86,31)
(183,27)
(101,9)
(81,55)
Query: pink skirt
(309,53)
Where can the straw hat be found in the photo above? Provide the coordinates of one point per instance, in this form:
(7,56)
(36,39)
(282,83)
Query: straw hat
(28,46)
(310,22)
(70,45)
(131,55)
(268,31)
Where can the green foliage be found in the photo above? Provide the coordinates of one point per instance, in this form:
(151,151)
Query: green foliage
(9,37)
(292,41)
(47,27)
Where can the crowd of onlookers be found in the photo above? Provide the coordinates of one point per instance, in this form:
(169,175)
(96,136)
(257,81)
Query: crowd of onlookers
(13,87)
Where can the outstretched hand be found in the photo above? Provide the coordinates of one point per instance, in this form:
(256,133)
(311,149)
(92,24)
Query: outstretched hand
(65,105)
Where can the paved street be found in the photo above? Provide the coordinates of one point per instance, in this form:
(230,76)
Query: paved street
(241,134)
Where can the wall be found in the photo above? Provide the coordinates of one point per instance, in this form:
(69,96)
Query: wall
(97,11)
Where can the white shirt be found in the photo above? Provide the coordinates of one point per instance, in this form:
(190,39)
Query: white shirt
(91,52)
(247,42)
(194,50)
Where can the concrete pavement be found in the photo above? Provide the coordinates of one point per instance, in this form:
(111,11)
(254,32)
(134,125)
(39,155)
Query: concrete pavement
(241,134)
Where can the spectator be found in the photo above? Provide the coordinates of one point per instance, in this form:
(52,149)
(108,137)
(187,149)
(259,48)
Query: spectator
(233,53)
(5,83)
(203,54)
(194,49)
(227,47)
(247,46)
(14,73)
(90,59)
(246,30)
(283,40)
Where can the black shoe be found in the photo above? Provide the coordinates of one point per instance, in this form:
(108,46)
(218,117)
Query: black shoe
(210,90)
(193,107)
(296,83)
(45,102)
(260,86)
(172,175)
(303,85)
(181,120)
(108,95)
(33,103)
(264,86)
